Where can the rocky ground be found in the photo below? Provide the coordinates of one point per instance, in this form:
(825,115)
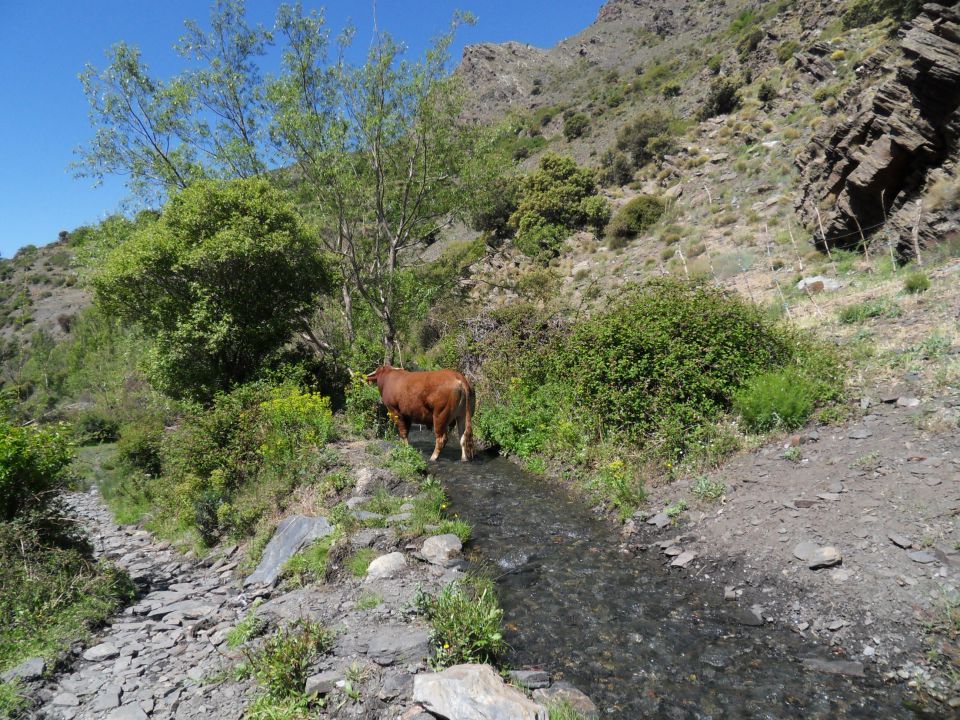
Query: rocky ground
(848,534)
(169,655)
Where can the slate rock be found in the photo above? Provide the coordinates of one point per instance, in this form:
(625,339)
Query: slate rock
(103,651)
(473,692)
(908,402)
(392,644)
(564,693)
(530,679)
(805,550)
(900,540)
(128,712)
(66,700)
(31,669)
(660,520)
(396,685)
(683,559)
(834,667)
(322,683)
(108,698)
(386,566)
(859,433)
(922,557)
(292,535)
(442,549)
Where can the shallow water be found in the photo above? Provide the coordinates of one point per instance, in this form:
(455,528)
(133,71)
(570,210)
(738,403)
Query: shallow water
(641,641)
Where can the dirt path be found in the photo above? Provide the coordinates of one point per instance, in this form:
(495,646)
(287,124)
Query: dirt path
(883,492)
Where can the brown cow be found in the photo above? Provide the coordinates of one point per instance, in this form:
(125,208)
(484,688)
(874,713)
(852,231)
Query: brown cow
(438,397)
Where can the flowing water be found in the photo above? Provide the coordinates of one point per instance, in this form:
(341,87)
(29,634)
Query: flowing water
(640,641)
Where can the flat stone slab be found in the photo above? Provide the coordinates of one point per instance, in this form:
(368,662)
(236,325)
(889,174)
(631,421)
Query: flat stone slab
(292,535)
(399,644)
(530,679)
(900,540)
(922,557)
(128,712)
(103,651)
(834,667)
(473,692)
(805,550)
(322,683)
(825,557)
(31,669)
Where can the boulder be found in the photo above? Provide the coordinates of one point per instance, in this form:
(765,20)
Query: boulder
(441,549)
(322,683)
(292,535)
(473,692)
(26,671)
(103,651)
(386,566)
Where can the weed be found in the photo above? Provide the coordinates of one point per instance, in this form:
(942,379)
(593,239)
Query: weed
(309,565)
(870,461)
(11,702)
(779,399)
(707,489)
(407,462)
(916,282)
(369,600)
(282,664)
(358,563)
(620,484)
(793,454)
(250,627)
(563,710)
(859,312)
(674,510)
(466,622)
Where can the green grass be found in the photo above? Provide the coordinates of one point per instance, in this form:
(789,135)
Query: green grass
(248,628)
(707,489)
(859,312)
(358,563)
(778,399)
(369,600)
(407,462)
(11,702)
(916,282)
(564,711)
(310,564)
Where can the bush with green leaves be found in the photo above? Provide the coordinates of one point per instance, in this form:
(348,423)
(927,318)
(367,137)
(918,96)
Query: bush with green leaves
(218,284)
(616,168)
(866,12)
(767,92)
(781,399)
(636,216)
(555,200)
(575,124)
(33,468)
(466,622)
(722,98)
(282,664)
(649,136)
(916,282)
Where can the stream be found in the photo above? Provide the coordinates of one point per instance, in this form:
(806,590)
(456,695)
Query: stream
(642,642)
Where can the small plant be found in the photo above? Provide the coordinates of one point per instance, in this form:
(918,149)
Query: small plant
(778,399)
(250,627)
(466,621)
(563,710)
(358,563)
(309,565)
(722,98)
(674,510)
(767,92)
(369,600)
(638,215)
(916,282)
(870,461)
(793,454)
(858,312)
(618,483)
(407,462)
(707,489)
(282,665)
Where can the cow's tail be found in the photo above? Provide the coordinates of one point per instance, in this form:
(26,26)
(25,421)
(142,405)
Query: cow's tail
(469,399)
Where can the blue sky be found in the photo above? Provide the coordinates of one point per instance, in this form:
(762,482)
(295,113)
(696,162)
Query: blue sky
(44,44)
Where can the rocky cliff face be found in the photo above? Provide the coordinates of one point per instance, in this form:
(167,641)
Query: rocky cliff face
(869,171)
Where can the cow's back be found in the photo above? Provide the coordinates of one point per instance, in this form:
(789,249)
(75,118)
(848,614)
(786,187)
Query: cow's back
(417,395)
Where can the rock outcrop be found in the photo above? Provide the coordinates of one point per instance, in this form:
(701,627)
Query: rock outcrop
(867,172)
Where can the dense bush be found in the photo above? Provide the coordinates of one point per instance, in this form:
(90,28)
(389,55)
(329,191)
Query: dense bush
(767,92)
(647,137)
(616,168)
(723,97)
(33,469)
(141,443)
(554,200)
(466,621)
(916,282)
(636,216)
(492,212)
(867,12)
(782,399)
(218,283)
(575,125)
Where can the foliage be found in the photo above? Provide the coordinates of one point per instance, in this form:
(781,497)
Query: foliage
(786,50)
(362,407)
(647,137)
(33,469)
(722,98)
(616,168)
(281,666)
(496,203)
(707,489)
(916,282)
(218,283)
(621,484)
(636,216)
(310,564)
(141,443)
(867,12)
(563,710)
(554,200)
(767,92)
(778,399)
(369,600)
(466,623)
(858,312)
(574,125)
(407,462)
(248,628)
(358,563)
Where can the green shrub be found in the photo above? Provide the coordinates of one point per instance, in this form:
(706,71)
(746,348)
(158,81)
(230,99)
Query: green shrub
(782,399)
(358,563)
(281,666)
(648,137)
(141,443)
(615,168)
(767,92)
(94,426)
(407,462)
(552,205)
(362,409)
(575,125)
(33,469)
(707,489)
(248,628)
(786,50)
(620,484)
(749,42)
(867,12)
(916,282)
(722,98)
(858,312)
(636,216)
(466,623)
(596,212)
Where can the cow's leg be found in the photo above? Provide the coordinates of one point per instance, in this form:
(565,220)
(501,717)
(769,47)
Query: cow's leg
(464,439)
(440,426)
(403,427)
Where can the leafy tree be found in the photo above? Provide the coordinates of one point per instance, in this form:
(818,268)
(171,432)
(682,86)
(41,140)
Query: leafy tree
(382,150)
(574,125)
(219,283)
(647,137)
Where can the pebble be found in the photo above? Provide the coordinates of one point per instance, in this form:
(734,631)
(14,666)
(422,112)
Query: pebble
(900,540)
(860,433)
(825,557)
(683,559)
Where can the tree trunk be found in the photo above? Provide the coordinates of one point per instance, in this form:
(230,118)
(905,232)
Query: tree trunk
(348,312)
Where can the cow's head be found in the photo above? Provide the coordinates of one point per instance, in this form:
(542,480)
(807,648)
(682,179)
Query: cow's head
(374,377)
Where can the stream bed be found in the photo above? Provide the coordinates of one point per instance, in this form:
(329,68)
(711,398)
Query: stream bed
(641,641)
